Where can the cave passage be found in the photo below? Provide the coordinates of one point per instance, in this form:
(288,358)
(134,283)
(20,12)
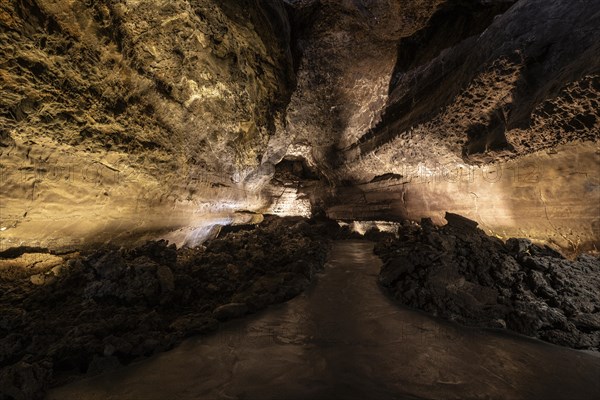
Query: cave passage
(343,339)
(169,166)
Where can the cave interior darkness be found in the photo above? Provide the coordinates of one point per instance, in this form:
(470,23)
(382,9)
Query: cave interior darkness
(177,173)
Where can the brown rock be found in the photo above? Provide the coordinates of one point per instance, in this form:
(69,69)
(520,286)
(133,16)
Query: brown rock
(460,222)
(165,278)
(229,311)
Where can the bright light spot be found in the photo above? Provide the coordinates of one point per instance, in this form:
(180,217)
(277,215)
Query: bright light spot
(201,234)
(289,203)
(362,227)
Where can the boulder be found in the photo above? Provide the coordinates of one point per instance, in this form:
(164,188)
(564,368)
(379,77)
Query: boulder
(460,222)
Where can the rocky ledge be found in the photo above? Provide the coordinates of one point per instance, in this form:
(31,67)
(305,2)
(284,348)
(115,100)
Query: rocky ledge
(62,315)
(458,272)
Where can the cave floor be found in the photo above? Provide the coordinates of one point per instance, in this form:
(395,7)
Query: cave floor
(343,339)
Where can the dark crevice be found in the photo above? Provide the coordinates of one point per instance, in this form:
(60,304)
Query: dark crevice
(453,22)
(491,137)
(301,21)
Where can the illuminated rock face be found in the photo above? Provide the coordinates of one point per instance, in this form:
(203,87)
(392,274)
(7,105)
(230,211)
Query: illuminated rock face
(528,82)
(469,96)
(135,119)
(124,118)
(346,51)
(552,197)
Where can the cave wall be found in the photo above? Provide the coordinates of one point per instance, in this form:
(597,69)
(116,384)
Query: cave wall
(346,52)
(528,82)
(520,93)
(549,196)
(131,119)
(124,117)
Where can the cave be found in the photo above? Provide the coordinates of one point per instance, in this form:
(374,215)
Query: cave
(299,199)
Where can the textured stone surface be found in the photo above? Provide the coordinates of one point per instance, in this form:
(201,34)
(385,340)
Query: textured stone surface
(526,83)
(491,117)
(347,51)
(459,273)
(135,116)
(131,120)
(112,306)
(546,196)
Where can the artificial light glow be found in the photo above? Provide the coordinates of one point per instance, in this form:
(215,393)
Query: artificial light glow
(362,227)
(290,203)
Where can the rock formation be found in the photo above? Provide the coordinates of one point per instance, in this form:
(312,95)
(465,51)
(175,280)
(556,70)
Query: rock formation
(126,120)
(460,273)
(123,121)
(491,110)
(63,315)
(135,116)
